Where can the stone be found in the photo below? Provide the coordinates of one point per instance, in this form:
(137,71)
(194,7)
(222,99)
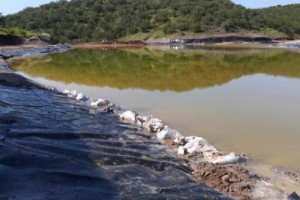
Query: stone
(128,115)
(45,37)
(181,150)
(225,178)
(180,140)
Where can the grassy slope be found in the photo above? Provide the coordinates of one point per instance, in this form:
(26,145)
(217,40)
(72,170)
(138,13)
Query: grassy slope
(268,32)
(17,32)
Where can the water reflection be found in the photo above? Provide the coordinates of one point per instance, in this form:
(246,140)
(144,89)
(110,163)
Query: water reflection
(254,107)
(160,70)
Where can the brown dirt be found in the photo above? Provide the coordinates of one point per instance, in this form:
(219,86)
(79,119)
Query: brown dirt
(293,176)
(110,44)
(232,180)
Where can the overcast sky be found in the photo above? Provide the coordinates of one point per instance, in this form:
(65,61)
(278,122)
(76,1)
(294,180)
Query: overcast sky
(13,6)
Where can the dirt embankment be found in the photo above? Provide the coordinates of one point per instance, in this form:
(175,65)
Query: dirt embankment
(111,44)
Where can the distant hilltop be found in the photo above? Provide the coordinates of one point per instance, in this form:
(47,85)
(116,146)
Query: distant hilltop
(97,20)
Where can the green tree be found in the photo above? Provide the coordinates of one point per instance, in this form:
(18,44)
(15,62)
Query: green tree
(229,26)
(91,20)
(2,20)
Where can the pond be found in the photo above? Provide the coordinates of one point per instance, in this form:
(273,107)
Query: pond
(243,100)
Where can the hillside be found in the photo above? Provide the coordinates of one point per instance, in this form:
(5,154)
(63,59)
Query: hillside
(94,20)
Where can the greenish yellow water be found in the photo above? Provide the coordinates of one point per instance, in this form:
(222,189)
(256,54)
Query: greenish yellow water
(243,100)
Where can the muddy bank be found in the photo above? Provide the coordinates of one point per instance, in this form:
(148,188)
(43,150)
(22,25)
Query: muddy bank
(111,44)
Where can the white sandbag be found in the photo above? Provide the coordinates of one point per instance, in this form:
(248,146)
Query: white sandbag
(99,102)
(154,124)
(66,92)
(221,158)
(181,150)
(73,94)
(128,115)
(198,145)
(81,97)
(167,133)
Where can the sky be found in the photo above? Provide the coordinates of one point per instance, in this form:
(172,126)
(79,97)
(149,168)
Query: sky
(263,3)
(13,6)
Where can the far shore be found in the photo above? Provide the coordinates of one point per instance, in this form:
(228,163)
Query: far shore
(219,40)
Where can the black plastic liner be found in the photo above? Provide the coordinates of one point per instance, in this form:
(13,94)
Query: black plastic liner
(25,52)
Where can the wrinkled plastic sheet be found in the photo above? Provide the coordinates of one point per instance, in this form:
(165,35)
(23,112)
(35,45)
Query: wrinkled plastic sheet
(52,147)
(34,51)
